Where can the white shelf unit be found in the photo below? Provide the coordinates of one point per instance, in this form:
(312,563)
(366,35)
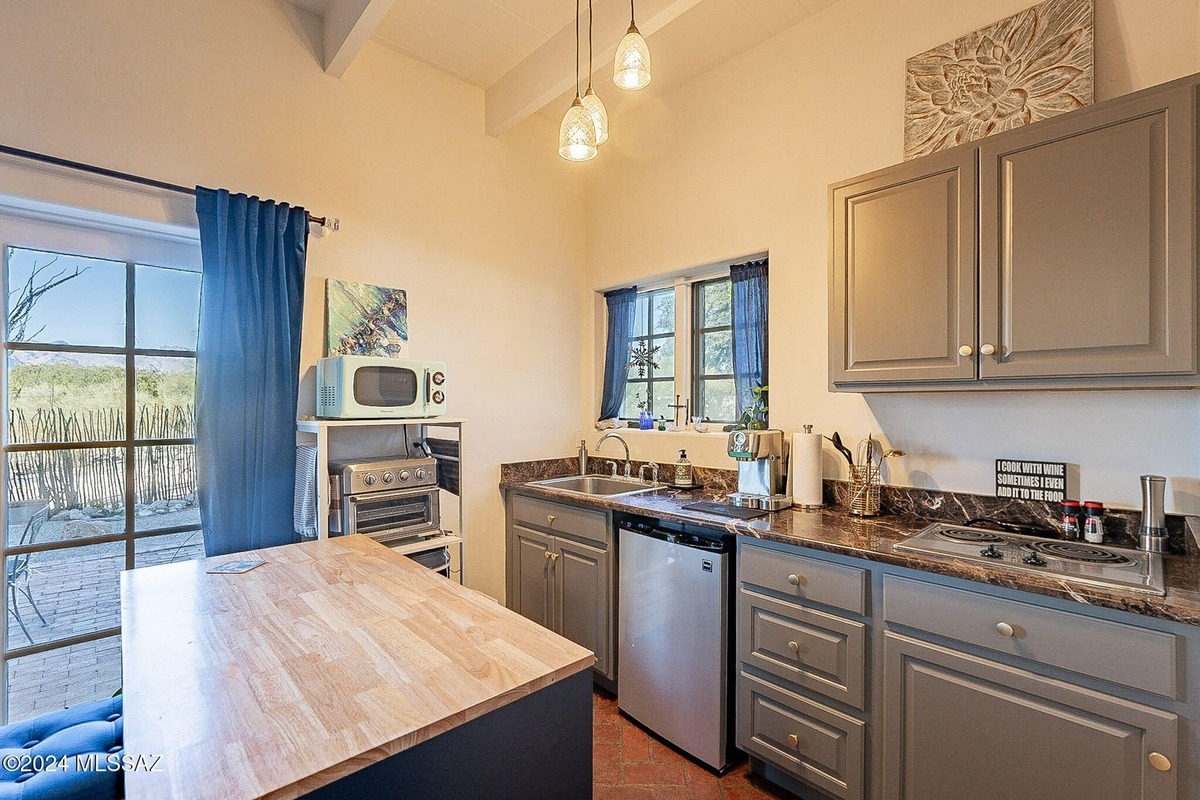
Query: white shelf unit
(379,438)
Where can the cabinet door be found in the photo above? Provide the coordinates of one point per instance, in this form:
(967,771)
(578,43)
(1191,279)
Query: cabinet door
(531,570)
(581,599)
(1087,242)
(957,726)
(902,272)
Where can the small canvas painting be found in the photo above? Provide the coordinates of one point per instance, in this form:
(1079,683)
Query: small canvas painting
(1028,67)
(365,320)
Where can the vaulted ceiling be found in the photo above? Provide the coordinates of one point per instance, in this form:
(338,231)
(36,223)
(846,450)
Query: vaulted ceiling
(522,52)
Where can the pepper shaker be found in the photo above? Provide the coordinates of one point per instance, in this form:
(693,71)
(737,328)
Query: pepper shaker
(1152,533)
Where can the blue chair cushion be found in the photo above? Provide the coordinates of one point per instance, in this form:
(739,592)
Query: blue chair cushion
(64,755)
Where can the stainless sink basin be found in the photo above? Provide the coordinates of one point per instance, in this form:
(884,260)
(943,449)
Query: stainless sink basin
(598,485)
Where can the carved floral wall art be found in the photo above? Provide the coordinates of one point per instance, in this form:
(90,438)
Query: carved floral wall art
(1030,66)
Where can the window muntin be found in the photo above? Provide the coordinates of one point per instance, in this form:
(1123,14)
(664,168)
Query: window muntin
(650,383)
(101,366)
(712,348)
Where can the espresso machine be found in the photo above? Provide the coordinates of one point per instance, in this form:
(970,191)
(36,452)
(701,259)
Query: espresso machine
(762,473)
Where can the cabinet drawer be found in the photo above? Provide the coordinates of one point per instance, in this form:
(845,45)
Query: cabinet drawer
(816,744)
(1123,654)
(804,578)
(819,651)
(581,523)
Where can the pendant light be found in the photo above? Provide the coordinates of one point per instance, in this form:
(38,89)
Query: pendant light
(591,100)
(577,134)
(631,67)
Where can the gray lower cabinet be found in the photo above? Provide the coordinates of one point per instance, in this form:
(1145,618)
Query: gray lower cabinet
(960,726)
(561,572)
(1059,254)
(864,680)
(802,667)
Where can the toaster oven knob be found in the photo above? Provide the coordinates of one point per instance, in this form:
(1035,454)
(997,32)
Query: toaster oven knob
(439,396)
(405,475)
(388,477)
(421,473)
(369,479)
(438,378)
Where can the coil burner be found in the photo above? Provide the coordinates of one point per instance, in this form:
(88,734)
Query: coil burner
(1087,553)
(1075,562)
(970,535)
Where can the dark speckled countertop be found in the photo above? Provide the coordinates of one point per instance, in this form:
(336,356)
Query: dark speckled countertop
(836,531)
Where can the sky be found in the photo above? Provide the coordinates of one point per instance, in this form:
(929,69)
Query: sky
(90,308)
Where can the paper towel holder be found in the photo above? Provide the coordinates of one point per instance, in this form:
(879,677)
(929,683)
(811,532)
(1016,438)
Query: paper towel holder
(808,429)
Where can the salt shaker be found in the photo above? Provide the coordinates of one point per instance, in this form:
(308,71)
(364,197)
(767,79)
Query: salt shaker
(1093,522)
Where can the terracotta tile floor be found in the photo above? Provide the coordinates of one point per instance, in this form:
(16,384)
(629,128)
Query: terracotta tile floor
(630,764)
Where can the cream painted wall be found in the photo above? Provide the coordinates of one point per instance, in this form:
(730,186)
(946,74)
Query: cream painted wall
(738,161)
(485,234)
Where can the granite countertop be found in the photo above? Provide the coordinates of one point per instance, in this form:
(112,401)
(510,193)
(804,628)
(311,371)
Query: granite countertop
(835,530)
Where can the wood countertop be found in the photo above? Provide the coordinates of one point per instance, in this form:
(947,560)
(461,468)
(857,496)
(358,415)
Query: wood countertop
(330,657)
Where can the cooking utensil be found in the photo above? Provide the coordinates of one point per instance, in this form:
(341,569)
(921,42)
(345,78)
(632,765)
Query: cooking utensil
(841,448)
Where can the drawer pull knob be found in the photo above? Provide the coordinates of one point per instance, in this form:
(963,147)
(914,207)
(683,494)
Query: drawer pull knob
(987,350)
(794,647)
(1160,762)
(794,741)
(549,519)
(1004,629)
(965,350)
(794,580)
(553,557)
(546,553)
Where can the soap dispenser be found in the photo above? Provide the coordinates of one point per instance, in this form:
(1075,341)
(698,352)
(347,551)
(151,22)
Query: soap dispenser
(683,470)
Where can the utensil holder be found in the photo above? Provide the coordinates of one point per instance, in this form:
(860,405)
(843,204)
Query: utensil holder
(864,490)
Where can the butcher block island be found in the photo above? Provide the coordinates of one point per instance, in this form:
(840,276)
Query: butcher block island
(341,669)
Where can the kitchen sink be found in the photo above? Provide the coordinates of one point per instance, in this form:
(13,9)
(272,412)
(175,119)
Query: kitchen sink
(598,485)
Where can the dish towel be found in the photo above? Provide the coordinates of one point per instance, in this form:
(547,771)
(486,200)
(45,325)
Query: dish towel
(305,512)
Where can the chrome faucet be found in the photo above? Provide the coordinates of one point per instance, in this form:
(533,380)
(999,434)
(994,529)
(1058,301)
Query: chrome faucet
(653,467)
(617,436)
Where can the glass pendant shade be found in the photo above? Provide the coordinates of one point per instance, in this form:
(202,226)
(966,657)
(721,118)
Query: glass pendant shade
(599,114)
(631,67)
(577,135)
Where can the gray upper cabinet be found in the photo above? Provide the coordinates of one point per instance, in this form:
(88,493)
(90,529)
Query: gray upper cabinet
(1087,242)
(1061,254)
(902,282)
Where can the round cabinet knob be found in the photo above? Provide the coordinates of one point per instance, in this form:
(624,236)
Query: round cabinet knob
(794,647)
(549,519)
(388,477)
(421,473)
(965,350)
(793,740)
(546,553)
(1159,762)
(438,378)
(987,350)
(553,557)
(1004,629)
(439,396)
(794,580)
(369,479)
(405,475)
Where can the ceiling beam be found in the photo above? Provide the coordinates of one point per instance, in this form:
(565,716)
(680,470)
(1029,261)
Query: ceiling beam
(348,25)
(548,71)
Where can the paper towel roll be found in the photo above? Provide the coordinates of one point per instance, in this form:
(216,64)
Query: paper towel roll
(806,470)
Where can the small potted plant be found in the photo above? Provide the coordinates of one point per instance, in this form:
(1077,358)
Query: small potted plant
(754,417)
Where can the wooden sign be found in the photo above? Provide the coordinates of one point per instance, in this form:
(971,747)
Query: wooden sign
(1031,480)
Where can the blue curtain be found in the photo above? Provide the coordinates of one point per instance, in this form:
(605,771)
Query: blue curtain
(749,311)
(248,368)
(616,354)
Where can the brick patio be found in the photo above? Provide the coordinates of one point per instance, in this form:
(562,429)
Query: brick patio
(77,592)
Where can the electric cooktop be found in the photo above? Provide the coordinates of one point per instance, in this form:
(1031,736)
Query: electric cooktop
(1074,561)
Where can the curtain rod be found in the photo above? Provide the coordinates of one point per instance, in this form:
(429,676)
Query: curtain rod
(324,222)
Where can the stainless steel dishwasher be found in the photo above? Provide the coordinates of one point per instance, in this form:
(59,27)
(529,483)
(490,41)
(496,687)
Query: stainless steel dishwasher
(674,626)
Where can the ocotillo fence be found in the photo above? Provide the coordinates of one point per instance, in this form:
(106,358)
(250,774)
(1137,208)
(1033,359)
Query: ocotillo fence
(95,476)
